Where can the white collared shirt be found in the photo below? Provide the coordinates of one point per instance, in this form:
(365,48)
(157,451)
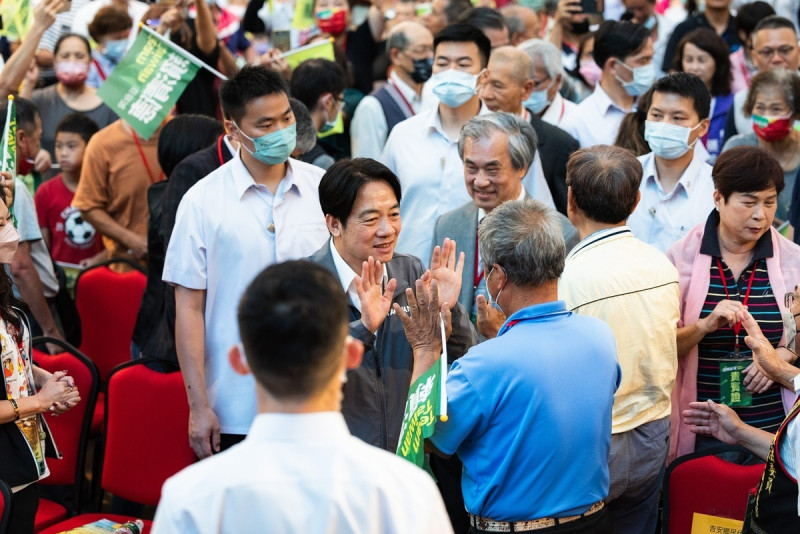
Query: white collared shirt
(432,178)
(227,230)
(368,129)
(301,473)
(662,218)
(558,110)
(595,121)
(347,276)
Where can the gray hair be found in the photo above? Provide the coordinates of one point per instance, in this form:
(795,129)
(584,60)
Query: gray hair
(547,53)
(306,133)
(525,238)
(521,137)
(786,81)
(397,39)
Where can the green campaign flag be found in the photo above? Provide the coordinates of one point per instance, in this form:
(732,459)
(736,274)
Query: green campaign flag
(320,49)
(8,148)
(17,18)
(148,81)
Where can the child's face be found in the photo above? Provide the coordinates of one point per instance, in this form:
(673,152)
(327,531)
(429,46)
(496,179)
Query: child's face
(69,151)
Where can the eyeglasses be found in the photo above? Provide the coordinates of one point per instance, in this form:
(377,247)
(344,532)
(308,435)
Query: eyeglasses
(767,53)
(537,84)
(788,299)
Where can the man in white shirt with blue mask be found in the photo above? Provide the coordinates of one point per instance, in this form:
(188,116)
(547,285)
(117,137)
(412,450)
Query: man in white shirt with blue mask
(259,208)
(677,188)
(624,52)
(423,150)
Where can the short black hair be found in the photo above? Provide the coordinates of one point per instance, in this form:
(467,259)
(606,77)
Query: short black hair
(78,123)
(712,44)
(484,18)
(749,15)
(688,86)
(341,183)
(746,169)
(293,323)
(65,36)
(315,77)
(455,8)
(774,22)
(461,32)
(619,40)
(249,83)
(183,136)
(26,112)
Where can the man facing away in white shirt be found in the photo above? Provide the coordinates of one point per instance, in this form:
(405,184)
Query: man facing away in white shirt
(410,49)
(299,469)
(624,51)
(677,188)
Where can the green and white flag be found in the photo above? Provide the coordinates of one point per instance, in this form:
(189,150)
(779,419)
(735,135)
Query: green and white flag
(148,81)
(8,145)
(427,402)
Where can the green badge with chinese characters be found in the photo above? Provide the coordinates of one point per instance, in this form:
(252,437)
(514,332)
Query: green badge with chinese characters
(731,389)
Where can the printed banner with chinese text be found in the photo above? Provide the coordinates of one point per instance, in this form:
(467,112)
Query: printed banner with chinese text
(422,410)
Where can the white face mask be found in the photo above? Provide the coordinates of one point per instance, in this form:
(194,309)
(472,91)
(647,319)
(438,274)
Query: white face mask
(668,141)
(454,87)
(643,78)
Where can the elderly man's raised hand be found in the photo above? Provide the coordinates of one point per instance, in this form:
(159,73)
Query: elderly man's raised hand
(422,324)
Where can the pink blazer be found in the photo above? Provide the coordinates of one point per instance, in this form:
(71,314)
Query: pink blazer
(694,275)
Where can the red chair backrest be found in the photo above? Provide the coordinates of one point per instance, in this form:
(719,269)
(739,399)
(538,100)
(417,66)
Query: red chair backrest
(71,429)
(707,485)
(147,416)
(108,303)
(5,509)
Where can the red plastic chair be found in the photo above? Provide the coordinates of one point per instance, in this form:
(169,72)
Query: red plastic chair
(5,509)
(108,303)
(705,484)
(147,414)
(70,430)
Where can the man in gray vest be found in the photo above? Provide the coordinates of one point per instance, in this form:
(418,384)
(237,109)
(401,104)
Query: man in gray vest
(410,49)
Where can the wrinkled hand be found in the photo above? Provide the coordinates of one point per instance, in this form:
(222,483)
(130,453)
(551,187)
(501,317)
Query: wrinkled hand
(375,302)
(44,13)
(754,380)
(422,324)
(42,161)
(447,272)
(204,431)
(765,357)
(8,185)
(274,59)
(724,313)
(489,319)
(712,419)
(59,393)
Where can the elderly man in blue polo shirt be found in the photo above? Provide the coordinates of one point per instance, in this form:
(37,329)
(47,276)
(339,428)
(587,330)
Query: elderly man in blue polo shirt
(530,410)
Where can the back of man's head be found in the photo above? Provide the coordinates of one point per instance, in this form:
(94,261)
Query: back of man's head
(306,133)
(465,33)
(524,238)
(604,181)
(619,40)
(26,113)
(316,77)
(246,85)
(749,15)
(455,8)
(490,22)
(293,324)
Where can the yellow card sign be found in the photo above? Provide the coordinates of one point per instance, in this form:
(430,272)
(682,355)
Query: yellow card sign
(711,524)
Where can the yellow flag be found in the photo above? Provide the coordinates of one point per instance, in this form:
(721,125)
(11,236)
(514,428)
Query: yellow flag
(321,49)
(17,18)
(303,15)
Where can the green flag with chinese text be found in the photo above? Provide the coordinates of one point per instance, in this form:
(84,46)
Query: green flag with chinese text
(147,82)
(8,148)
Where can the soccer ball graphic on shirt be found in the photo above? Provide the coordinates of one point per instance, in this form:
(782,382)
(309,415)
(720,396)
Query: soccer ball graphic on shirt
(78,230)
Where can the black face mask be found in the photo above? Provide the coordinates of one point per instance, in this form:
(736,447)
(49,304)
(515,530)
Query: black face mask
(423,68)
(579,28)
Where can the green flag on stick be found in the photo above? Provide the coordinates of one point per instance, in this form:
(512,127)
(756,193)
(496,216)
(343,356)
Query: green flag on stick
(8,148)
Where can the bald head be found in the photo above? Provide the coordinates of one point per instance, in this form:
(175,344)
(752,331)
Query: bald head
(410,49)
(523,23)
(507,83)
(515,61)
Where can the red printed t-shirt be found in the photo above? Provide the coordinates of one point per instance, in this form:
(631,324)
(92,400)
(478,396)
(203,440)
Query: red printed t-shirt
(72,239)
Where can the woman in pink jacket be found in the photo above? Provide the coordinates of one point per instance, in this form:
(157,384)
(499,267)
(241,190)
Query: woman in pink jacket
(734,259)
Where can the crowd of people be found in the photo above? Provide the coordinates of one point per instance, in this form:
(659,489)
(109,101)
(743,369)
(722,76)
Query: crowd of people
(597,202)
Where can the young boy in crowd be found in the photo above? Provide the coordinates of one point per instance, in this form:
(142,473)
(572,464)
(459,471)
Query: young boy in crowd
(72,241)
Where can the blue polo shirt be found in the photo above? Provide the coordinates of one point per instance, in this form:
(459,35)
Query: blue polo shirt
(530,415)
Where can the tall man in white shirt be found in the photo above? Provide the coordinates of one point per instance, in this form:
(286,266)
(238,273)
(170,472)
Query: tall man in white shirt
(258,209)
(423,150)
(624,51)
(410,49)
(299,470)
(677,188)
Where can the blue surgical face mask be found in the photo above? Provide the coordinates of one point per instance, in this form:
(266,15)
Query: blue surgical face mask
(538,100)
(668,141)
(115,50)
(493,301)
(650,23)
(328,126)
(273,148)
(643,78)
(454,87)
